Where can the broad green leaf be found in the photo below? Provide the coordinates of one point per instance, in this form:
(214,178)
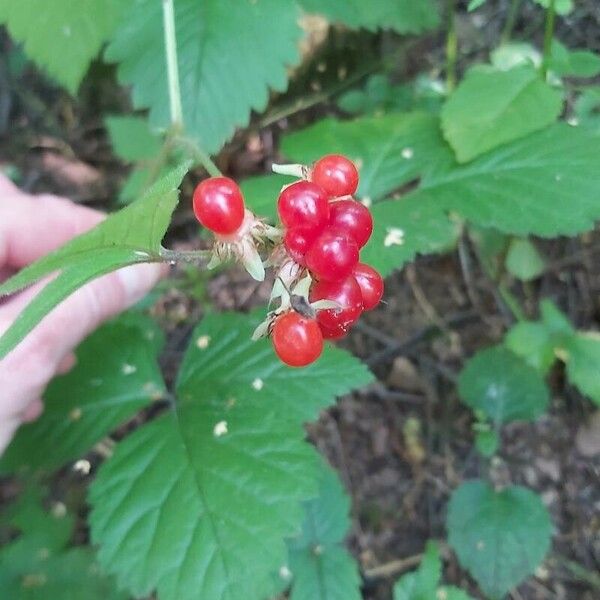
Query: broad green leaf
(322,569)
(523,260)
(502,386)
(533,343)
(491,107)
(197,502)
(555,321)
(475,4)
(261,194)
(62,37)
(576,63)
(226,61)
(404,16)
(132,235)
(582,357)
(95,397)
(499,537)
(513,54)
(38,566)
(132,138)
(562,7)
(422,583)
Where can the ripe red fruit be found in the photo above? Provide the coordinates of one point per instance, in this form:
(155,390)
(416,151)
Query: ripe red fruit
(332,256)
(219,205)
(297,241)
(334,334)
(303,204)
(297,340)
(371,285)
(347,294)
(352,217)
(336,174)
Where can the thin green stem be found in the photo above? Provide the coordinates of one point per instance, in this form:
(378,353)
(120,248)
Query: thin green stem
(451,47)
(172,66)
(511,19)
(199,156)
(548,35)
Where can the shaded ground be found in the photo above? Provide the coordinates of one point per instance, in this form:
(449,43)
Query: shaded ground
(405,443)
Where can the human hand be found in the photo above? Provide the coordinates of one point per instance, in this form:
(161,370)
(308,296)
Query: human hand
(30,227)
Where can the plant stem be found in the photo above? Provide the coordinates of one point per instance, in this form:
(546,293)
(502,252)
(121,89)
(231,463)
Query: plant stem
(199,156)
(189,256)
(548,35)
(511,19)
(451,47)
(172,67)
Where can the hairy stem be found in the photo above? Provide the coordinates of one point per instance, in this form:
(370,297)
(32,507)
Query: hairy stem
(189,256)
(548,35)
(451,47)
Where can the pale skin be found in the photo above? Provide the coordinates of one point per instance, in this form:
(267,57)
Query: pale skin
(30,227)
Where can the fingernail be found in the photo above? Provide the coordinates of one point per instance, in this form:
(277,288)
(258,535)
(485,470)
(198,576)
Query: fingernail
(138,280)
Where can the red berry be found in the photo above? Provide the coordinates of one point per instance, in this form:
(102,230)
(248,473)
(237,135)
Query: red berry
(332,256)
(297,340)
(335,334)
(371,285)
(303,204)
(352,217)
(346,293)
(297,241)
(336,175)
(219,205)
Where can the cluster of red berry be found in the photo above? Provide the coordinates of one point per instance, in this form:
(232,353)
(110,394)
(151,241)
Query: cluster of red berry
(324,230)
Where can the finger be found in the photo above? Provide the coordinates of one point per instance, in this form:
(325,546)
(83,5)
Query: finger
(32,226)
(7,430)
(33,411)
(66,364)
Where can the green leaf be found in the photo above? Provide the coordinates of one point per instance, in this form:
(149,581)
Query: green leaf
(404,16)
(491,107)
(576,63)
(133,235)
(533,343)
(37,565)
(499,537)
(555,321)
(475,4)
(61,37)
(562,7)
(487,442)
(523,260)
(132,138)
(513,54)
(95,397)
(226,62)
(322,568)
(422,583)
(197,502)
(582,357)
(502,386)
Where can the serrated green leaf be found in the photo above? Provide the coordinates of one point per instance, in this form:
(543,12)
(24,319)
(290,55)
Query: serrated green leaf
(86,404)
(404,16)
(499,537)
(523,260)
(583,363)
(322,569)
(422,583)
(61,37)
(491,107)
(562,7)
(533,343)
(226,62)
(206,493)
(575,63)
(132,235)
(502,386)
(132,138)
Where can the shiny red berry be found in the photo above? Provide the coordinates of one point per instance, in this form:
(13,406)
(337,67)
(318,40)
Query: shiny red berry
(352,217)
(332,256)
(335,334)
(336,174)
(297,340)
(303,204)
(219,205)
(297,241)
(371,285)
(347,294)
